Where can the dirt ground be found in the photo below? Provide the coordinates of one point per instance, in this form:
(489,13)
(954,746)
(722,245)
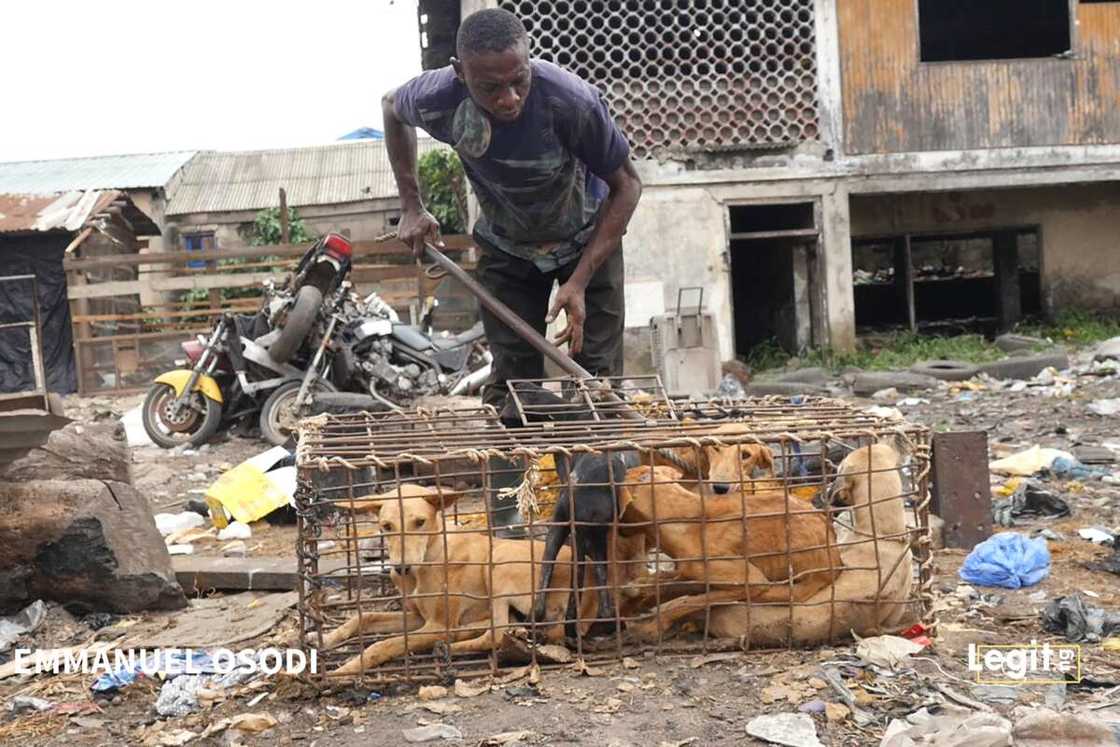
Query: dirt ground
(649,701)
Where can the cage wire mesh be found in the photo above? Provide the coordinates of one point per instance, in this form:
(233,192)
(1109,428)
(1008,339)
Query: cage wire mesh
(702,525)
(689,74)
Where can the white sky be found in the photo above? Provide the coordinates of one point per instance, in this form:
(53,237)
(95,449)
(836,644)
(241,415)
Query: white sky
(86,78)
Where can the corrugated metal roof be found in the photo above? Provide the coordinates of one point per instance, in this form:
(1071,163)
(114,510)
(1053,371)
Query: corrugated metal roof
(320,175)
(136,171)
(70,211)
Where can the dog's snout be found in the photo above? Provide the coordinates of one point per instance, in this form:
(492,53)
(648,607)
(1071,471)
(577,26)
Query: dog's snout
(401,570)
(721,487)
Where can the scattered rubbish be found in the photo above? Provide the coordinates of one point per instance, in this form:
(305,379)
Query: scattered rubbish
(791,729)
(1071,468)
(954,730)
(917,634)
(508,737)
(1028,462)
(1097,535)
(431,733)
(235,531)
(1049,534)
(887,651)
(169,524)
(466,689)
(199,507)
(888,393)
(1077,621)
(432,692)
(966,396)
(27,621)
(1094,454)
(180,549)
(235,549)
(1111,564)
(22,703)
(1109,349)
(731,388)
(813,706)
(890,413)
(912,402)
(1106,407)
(252,722)
(995,693)
(249,491)
(1111,644)
(175,737)
(1008,559)
(1029,499)
(1042,726)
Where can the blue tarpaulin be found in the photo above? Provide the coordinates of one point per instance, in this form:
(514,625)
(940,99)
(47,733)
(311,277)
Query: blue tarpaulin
(364,133)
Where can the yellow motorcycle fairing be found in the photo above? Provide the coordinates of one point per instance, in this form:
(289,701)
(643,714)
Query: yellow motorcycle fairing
(177,380)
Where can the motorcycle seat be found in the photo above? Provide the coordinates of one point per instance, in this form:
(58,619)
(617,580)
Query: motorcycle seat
(463,338)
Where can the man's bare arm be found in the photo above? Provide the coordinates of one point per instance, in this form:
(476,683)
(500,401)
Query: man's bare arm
(618,208)
(416,224)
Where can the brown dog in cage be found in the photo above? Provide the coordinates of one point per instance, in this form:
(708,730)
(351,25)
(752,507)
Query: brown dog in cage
(451,594)
(741,556)
(872,594)
(744,465)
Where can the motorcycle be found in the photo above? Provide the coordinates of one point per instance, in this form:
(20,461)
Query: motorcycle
(245,358)
(293,308)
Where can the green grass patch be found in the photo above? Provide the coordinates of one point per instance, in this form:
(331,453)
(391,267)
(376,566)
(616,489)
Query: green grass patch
(1075,328)
(895,351)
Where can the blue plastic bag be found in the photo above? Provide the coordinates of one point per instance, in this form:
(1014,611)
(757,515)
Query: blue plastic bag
(1008,559)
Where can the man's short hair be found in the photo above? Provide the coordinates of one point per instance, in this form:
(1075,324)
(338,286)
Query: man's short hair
(489,30)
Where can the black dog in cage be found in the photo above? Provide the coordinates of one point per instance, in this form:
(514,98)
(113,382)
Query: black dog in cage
(587,504)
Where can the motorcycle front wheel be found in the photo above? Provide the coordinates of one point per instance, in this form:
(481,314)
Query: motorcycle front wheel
(279,417)
(193,425)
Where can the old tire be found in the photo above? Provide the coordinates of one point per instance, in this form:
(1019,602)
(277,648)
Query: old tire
(946,370)
(298,323)
(277,415)
(199,426)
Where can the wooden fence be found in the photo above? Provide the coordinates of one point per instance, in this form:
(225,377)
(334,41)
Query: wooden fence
(122,352)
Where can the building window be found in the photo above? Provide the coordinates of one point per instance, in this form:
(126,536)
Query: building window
(963,30)
(198,242)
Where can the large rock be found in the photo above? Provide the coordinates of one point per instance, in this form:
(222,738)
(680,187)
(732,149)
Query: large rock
(91,545)
(80,451)
(869,382)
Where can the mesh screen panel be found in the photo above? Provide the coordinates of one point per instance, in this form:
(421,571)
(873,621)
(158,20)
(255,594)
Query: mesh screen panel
(686,75)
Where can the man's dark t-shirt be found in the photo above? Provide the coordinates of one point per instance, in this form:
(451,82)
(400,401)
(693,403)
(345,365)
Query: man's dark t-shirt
(538,178)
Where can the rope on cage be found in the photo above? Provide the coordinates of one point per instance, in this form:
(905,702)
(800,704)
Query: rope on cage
(526,491)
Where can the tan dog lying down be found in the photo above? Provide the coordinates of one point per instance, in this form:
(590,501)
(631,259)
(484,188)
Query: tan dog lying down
(473,603)
(477,607)
(874,569)
(708,539)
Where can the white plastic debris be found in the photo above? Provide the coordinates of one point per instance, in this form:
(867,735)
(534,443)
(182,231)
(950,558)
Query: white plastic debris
(1096,535)
(171,523)
(791,729)
(1029,462)
(133,422)
(887,651)
(431,733)
(912,402)
(27,621)
(180,549)
(235,531)
(889,413)
(1106,407)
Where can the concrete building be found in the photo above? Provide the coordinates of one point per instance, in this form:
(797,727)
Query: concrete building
(818,164)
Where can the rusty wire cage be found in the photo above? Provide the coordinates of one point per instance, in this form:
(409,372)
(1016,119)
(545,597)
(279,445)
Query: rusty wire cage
(683,75)
(719,530)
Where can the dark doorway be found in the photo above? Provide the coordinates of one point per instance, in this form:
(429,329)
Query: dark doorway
(962,30)
(775,276)
(984,281)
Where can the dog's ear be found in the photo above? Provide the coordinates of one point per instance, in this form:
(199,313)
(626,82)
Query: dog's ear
(442,499)
(839,493)
(368,504)
(765,457)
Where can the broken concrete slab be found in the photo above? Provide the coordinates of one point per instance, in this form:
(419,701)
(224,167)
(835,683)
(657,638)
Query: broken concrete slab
(198,575)
(867,383)
(91,545)
(1010,342)
(212,622)
(1025,367)
(1094,455)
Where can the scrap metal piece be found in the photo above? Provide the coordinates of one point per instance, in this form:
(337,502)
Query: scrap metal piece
(961,493)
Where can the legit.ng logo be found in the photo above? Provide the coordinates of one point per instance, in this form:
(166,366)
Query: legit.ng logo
(1025,664)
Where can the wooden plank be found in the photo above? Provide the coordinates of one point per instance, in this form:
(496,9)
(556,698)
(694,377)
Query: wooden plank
(130,287)
(454,243)
(792,233)
(904,278)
